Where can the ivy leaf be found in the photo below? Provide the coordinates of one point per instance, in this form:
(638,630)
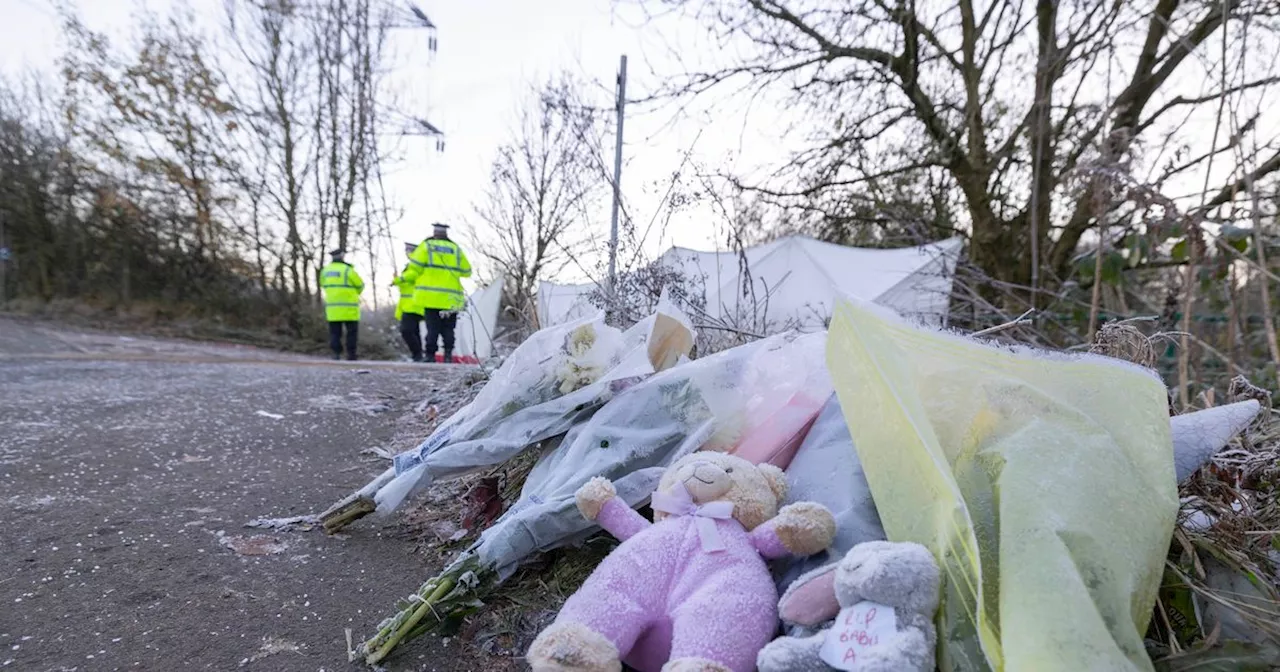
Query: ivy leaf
(1237,237)
(1179,251)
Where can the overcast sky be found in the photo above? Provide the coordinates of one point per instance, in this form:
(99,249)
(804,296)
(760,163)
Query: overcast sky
(490,52)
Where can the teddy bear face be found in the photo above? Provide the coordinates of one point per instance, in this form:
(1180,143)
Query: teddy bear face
(754,490)
(901,575)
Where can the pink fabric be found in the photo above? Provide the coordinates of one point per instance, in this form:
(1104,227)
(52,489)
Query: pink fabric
(812,603)
(767,543)
(659,596)
(778,438)
(679,502)
(621,520)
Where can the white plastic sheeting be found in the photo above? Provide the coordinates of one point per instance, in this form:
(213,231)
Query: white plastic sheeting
(706,403)
(793,282)
(827,470)
(554,380)
(478,323)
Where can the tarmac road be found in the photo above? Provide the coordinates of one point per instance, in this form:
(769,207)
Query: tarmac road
(128,467)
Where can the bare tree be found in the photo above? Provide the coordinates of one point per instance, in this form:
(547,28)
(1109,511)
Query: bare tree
(544,189)
(1022,107)
(271,39)
(350,42)
(36,174)
(182,172)
(155,124)
(314,114)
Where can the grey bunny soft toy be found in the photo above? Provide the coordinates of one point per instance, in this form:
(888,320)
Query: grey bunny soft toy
(872,575)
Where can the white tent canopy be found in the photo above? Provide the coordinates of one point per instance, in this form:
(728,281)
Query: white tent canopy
(558,303)
(793,282)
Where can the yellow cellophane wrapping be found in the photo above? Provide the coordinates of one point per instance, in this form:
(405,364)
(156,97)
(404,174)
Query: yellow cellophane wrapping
(1043,483)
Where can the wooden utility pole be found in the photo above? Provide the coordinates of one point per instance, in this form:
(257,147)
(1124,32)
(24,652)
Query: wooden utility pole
(617,180)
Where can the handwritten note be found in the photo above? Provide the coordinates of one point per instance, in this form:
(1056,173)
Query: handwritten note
(857,629)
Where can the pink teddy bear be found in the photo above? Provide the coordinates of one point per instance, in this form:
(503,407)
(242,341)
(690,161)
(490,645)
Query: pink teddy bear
(689,592)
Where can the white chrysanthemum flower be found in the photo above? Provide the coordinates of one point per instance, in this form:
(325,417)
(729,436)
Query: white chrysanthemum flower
(581,340)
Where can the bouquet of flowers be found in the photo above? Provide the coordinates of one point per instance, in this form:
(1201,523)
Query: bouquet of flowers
(557,378)
(629,441)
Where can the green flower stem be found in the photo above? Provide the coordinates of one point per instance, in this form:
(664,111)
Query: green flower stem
(387,626)
(406,626)
(355,510)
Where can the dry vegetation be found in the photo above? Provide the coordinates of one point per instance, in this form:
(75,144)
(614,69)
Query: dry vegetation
(1227,555)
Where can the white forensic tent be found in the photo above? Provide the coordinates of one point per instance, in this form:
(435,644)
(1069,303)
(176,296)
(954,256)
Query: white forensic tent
(794,281)
(477,324)
(558,303)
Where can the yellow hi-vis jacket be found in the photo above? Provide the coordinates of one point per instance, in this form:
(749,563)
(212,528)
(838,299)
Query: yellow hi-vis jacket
(342,288)
(436,267)
(406,303)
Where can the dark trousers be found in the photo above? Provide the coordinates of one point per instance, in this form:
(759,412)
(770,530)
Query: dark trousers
(411,334)
(335,338)
(439,328)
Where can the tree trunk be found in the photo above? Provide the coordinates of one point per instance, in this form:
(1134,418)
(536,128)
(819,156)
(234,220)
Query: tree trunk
(1042,146)
(994,247)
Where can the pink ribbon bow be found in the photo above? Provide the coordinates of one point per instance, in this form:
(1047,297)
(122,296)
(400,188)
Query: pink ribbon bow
(679,502)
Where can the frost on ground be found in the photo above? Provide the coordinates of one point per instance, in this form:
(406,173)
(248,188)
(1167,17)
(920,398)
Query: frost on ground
(270,647)
(351,402)
(117,476)
(258,544)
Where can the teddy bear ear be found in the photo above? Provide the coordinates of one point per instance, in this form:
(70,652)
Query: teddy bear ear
(777,480)
(811,599)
